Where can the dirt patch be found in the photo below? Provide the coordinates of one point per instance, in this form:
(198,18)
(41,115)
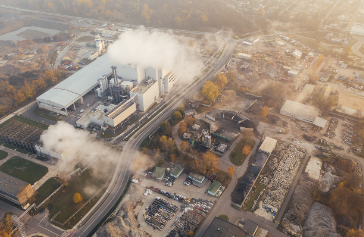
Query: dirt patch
(351,101)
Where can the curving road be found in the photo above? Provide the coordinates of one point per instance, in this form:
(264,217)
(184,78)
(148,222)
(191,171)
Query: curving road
(122,173)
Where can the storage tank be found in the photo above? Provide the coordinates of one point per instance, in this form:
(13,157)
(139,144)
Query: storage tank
(99,92)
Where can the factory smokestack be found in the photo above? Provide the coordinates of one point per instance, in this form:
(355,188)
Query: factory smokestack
(115,75)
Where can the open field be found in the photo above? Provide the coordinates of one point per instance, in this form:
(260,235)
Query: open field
(236,156)
(16,148)
(46,189)
(61,205)
(351,101)
(23,169)
(85,39)
(3,154)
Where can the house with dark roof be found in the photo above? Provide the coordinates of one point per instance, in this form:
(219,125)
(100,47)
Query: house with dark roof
(222,228)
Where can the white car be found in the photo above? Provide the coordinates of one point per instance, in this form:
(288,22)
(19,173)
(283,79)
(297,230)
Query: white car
(82,110)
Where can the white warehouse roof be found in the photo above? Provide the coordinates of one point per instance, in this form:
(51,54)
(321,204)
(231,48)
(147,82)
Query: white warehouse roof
(300,111)
(268,145)
(71,89)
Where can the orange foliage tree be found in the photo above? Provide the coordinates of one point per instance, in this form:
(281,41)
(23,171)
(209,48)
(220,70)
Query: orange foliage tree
(231,170)
(182,128)
(246,150)
(265,111)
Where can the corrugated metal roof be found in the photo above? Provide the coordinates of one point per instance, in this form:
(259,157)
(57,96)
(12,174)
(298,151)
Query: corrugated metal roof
(320,122)
(268,145)
(72,88)
(300,110)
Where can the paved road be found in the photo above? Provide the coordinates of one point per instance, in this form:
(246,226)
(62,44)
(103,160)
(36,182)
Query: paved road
(328,14)
(29,114)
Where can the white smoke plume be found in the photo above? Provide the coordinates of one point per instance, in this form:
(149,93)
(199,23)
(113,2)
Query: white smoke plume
(79,146)
(157,50)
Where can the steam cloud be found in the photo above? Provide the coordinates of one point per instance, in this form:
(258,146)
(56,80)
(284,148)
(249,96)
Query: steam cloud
(156,50)
(79,146)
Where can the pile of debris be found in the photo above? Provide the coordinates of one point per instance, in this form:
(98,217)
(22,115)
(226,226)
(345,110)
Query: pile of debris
(159,212)
(282,172)
(320,222)
(124,224)
(189,221)
(299,206)
(332,127)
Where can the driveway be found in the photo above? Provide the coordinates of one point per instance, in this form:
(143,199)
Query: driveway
(356,47)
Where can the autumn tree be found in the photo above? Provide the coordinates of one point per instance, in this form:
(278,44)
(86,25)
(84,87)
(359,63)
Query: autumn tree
(246,150)
(231,170)
(184,146)
(182,128)
(221,81)
(6,226)
(265,111)
(190,233)
(355,233)
(210,91)
(77,198)
(163,143)
(352,180)
(204,18)
(176,115)
(146,13)
(172,157)
(190,121)
(207,164)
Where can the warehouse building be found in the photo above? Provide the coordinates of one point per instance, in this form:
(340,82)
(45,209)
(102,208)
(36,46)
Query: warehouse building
(303,112)
(244,56)
(44,152)
(15,190)
(268,145)
(98,77)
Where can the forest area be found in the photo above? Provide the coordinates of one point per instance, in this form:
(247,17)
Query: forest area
(204,15)
(16,90)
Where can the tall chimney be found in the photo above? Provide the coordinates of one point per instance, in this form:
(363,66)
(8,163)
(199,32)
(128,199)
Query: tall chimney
(115,75)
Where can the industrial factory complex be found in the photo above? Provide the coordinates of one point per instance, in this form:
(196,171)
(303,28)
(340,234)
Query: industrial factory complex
(125,88)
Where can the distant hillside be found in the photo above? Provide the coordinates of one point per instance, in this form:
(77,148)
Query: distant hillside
(204,15)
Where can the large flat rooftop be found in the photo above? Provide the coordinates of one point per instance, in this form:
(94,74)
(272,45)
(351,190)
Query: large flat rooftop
(143,87)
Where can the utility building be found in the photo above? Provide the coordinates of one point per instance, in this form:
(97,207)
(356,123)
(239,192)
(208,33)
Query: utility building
(98,77)
(15,190)
(302,112)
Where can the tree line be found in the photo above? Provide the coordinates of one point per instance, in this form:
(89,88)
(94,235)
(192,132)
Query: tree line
(16,90)
(183,14)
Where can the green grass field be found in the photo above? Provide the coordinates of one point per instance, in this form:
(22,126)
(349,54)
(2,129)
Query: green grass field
(24,170)
(46,189)
(16,148)
(3,154)
(62,206)
(236,156)
(249,203)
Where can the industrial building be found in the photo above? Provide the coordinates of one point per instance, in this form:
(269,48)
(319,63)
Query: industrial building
(43,152)
(15,190)
(303,112)
(357,29)
(21,135)
(268,145)
(244,56)
(101,77)
(111,115)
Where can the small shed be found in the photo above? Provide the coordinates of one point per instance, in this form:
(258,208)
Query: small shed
(177,171)
(189,112)
(195,127)
(158,173)
(215,189)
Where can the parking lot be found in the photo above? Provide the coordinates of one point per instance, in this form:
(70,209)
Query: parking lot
(191,192)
